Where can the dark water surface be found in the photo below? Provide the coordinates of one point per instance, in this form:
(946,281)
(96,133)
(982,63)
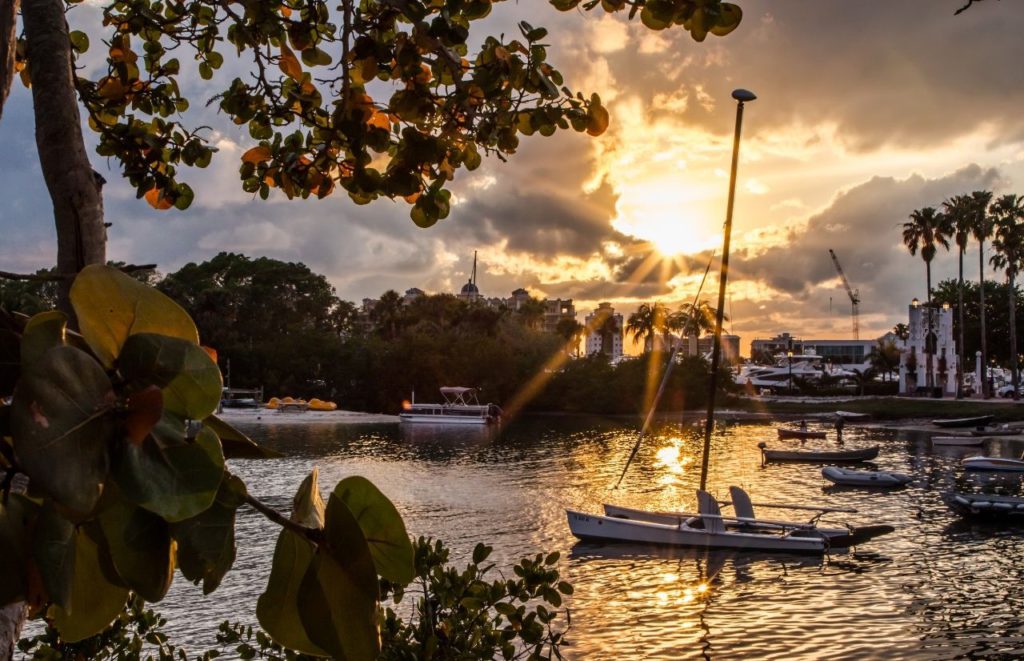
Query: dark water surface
(937,588)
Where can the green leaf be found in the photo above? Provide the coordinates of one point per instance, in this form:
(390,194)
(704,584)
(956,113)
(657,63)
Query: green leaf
(338,595)
(236,444)
(43,332)
(382,526)
(79,40)
(62,422)
(53,552)
(95,601)
(15,518)
(139,543)
(176,482)
(190,380)
(307,505)
(206,542)
(112,306)
(278,607)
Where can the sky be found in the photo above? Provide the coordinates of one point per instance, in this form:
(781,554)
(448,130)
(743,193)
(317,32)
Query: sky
(863,115)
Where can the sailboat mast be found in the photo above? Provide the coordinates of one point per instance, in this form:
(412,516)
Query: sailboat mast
(472,279)
(716,351)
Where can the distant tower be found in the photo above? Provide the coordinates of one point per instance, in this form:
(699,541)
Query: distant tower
(470,293)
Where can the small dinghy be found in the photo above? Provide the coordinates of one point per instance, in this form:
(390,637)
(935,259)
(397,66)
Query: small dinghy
(865,454)
(786,432)
(986,506)
(997,431)
(980,463)
(858,478)
(977,421)
(957,440)
(850,415)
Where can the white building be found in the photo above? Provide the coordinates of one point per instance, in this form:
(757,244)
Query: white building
(603,342)
(922,341)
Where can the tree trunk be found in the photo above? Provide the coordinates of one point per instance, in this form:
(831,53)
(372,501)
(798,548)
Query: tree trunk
(985,392)
(12,617)
(960,338)
(1013,337)
(929,378)
(75,189)
(8,45)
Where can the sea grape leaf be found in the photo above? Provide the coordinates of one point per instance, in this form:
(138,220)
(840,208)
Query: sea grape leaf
(15,518)
(277,609)
(206,541)
(190,380)
(143,411)
(112,306)
(10,360)
(43,332)
(307,505)
(236,444)
(53,552)
(62,421)
(140,546)
(174,481)
(95,601)
(382,526)
(338,595)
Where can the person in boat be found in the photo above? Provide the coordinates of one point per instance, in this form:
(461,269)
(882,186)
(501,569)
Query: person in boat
(840,423)
(803,425)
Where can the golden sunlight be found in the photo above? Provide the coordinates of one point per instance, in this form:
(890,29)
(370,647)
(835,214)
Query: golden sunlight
(667,216)
(671,458)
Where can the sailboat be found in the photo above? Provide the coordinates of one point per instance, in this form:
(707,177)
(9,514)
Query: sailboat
(708,527)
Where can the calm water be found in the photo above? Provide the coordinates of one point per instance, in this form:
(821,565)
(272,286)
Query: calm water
(936,589)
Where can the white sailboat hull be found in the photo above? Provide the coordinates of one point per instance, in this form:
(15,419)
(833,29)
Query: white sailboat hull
(594,527)
(441,419)
(957,440)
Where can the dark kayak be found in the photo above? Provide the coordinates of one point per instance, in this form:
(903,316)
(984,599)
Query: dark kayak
(976,421)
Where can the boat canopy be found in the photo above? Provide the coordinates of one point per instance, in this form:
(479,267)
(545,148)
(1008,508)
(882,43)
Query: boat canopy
(459,395)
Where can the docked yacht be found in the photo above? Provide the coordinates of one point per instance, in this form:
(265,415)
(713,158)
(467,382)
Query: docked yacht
(787,370)
(460,407)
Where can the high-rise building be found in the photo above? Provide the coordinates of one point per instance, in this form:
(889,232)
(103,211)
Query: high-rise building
(604,332)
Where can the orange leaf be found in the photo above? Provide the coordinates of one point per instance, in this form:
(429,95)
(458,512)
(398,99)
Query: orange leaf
(211,352)
(286,11)
(257,155)
(144,410)
(380,120)
(157,199)
(289,63)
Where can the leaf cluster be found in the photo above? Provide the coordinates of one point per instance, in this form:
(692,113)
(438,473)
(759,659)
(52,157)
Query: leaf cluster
(114,429)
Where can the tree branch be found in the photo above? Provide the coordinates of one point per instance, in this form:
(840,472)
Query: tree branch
(314,535)
(8,47)
(59,277)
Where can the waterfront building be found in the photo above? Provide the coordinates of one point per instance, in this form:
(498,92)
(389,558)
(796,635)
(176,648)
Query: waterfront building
(604,332)
(847,354)
(934,336)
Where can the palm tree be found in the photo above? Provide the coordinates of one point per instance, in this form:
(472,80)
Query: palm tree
(648,320)
(885,358)
(694,319)
(571,331)
(981,228)
(387,314)
(1008,216)
(531,312)
(608,329)
(958,209)
(926,231)
(901,331)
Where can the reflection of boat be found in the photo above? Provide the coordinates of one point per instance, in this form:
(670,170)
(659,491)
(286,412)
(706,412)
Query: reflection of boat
(448,435)
(957,440)
(858,478)
(865,454)
(800,433)
(981,463)
(986,506)
(460,407)
(710,529)
(977,421)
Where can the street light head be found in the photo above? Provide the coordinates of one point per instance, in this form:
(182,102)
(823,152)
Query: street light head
(915,303)
(743,95)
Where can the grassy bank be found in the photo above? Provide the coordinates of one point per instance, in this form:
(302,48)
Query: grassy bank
(885,408)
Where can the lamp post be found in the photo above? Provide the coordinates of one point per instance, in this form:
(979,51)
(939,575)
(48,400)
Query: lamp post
(741,96)
(789,355)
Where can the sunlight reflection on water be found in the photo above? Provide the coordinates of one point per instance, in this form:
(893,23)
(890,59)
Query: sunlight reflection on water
(938,588)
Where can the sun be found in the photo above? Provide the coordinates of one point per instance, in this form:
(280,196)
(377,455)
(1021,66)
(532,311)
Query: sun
(674,220)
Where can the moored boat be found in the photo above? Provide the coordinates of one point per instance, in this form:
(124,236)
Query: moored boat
(460,407)
(708,528)
(1005,430)
(785,432)
(977,421)
(860,478)
(864,454)
(957,440)
(982,463)
(851,415)
(987,506)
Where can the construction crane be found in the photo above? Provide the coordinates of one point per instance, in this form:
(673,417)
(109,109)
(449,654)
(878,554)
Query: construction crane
(853,293)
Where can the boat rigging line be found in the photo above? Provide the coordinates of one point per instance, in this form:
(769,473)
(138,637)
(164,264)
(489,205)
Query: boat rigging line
(664,378)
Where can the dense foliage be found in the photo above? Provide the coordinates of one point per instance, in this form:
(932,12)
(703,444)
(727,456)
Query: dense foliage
(997,322)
